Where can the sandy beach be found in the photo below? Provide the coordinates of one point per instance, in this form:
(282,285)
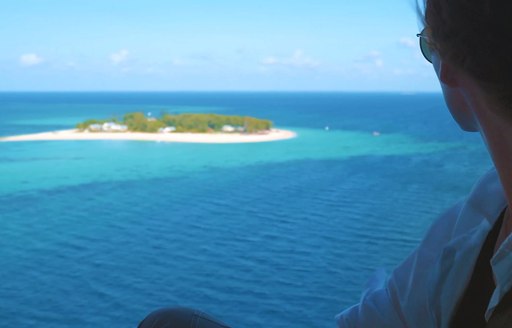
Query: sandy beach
(272,135)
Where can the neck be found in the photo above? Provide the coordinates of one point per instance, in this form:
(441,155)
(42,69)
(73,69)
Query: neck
(499,142)
(500,148)
(495,130)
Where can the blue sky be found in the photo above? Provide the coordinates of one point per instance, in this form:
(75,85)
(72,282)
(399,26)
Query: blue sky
(166,45)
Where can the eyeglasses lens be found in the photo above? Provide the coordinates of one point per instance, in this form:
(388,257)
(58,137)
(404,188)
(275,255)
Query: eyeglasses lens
(425,49)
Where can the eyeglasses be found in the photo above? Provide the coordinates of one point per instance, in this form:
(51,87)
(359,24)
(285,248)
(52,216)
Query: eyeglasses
(424,45)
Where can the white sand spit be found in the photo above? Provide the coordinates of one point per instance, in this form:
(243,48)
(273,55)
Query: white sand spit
(272,135)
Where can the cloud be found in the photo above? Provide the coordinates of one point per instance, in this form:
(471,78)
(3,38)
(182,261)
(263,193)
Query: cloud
(298,60)
(119,57)
(373,58)
(30,60)
(369,64)
(408,42)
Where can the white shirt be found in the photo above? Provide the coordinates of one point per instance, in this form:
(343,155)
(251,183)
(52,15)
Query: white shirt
(423,291)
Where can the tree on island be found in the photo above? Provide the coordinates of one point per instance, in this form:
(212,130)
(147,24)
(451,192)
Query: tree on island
(195,123)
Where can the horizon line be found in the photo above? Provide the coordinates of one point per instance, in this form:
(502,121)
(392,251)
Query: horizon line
(222,91)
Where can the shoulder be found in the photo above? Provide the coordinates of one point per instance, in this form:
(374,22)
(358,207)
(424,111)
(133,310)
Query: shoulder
(487,196)
(417,287)
(401,299)
(484,203)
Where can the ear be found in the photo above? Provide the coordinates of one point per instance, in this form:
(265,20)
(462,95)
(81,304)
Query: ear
(448,74)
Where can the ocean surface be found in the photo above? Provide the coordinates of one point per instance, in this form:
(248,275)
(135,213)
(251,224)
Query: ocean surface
(277,234)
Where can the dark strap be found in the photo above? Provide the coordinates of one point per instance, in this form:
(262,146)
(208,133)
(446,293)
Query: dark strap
(502,314)
(470,310)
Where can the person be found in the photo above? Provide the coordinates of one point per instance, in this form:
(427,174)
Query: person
(180,317)
(461,273)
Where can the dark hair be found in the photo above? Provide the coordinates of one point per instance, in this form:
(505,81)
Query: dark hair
(476,36)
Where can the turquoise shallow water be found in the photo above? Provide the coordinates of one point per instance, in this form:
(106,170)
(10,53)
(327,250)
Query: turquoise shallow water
(101,161)
(98,233)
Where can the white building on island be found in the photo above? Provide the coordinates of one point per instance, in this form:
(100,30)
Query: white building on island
(228,128)
(167,129)
(114,127)
(108,127)
(94,127)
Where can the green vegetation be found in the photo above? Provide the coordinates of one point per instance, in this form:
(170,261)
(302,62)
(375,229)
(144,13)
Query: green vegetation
(137,122)
(213,122)
(197,123)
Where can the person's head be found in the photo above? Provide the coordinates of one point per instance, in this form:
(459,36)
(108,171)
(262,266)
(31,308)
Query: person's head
(475,37)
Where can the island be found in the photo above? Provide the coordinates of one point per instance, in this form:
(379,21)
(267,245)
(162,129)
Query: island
(187,127)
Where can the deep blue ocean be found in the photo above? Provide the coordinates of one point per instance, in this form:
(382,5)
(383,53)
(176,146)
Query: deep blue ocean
(276,234)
